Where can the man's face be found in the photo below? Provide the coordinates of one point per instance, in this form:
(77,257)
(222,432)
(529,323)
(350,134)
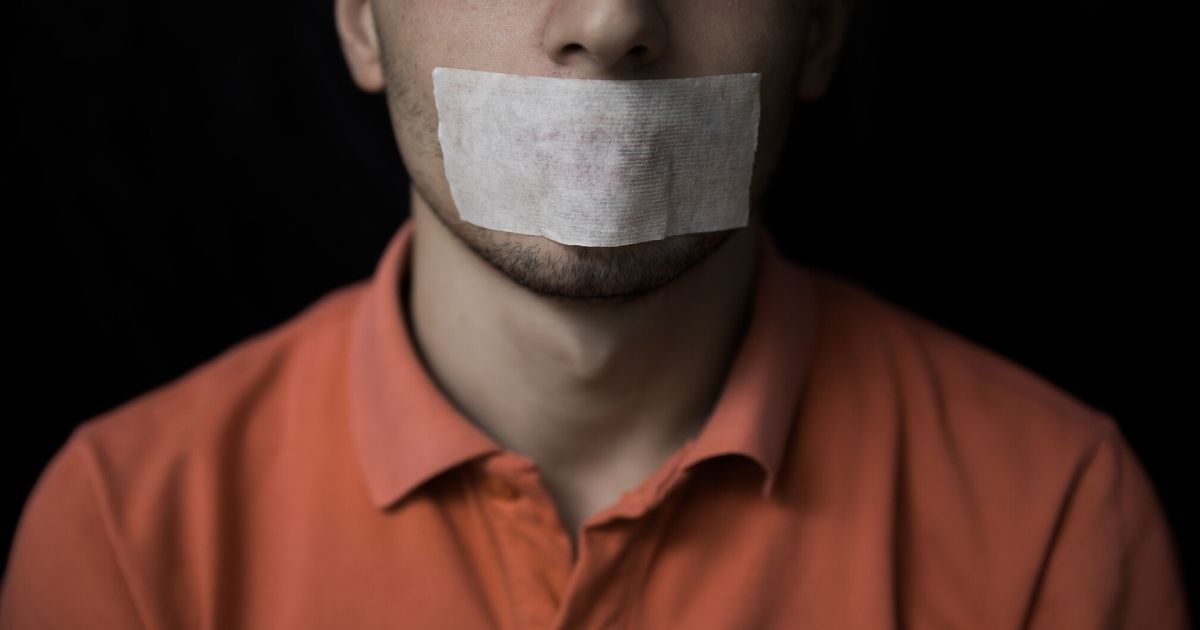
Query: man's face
(582,39)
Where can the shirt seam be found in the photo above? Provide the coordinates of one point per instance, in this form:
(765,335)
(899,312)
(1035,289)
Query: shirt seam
(1064,512)
(91,469)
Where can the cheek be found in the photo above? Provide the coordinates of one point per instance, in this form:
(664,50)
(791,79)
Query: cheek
(735,35)
(475,34)
(414,125)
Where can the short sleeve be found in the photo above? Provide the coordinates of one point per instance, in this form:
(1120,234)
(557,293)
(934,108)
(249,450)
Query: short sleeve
(63,571)
(1114,563)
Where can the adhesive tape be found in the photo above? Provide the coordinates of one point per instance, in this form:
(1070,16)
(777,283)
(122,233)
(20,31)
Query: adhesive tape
(598,162)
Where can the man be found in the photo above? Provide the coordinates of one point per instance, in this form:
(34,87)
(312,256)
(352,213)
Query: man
(500,430)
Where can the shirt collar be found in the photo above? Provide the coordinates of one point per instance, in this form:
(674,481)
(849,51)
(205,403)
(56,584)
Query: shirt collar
(406,432)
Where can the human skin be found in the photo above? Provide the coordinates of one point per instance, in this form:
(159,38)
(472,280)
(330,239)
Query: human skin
(597,363)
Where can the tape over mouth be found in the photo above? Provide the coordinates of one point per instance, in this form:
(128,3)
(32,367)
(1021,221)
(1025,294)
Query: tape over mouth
(598,162)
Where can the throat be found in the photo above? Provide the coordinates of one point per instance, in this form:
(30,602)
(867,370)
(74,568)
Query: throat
(598,397)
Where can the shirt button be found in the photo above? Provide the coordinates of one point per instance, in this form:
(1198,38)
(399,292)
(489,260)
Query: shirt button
(500,488)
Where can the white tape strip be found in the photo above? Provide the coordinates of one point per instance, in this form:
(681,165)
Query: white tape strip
(598,162)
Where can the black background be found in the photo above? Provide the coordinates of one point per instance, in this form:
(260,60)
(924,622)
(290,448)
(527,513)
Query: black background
(184,174)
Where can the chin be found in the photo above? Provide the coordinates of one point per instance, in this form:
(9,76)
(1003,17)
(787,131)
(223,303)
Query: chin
(594,275)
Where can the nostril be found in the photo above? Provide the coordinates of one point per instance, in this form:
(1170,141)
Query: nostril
(639,51)
(570,48)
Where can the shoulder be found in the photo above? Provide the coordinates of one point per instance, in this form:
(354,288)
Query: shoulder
(982,398)
(999,473)
(122,507)
(980,443)
(204,416)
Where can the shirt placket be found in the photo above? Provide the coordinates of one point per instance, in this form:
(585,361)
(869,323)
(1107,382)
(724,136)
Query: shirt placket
(547,587)
(535,548)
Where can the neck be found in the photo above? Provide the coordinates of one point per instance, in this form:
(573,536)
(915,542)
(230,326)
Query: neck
(583,390)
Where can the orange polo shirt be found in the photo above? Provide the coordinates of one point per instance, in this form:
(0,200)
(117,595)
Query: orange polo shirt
(862,469)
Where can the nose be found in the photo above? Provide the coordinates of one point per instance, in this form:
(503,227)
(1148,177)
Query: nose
(611,36)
